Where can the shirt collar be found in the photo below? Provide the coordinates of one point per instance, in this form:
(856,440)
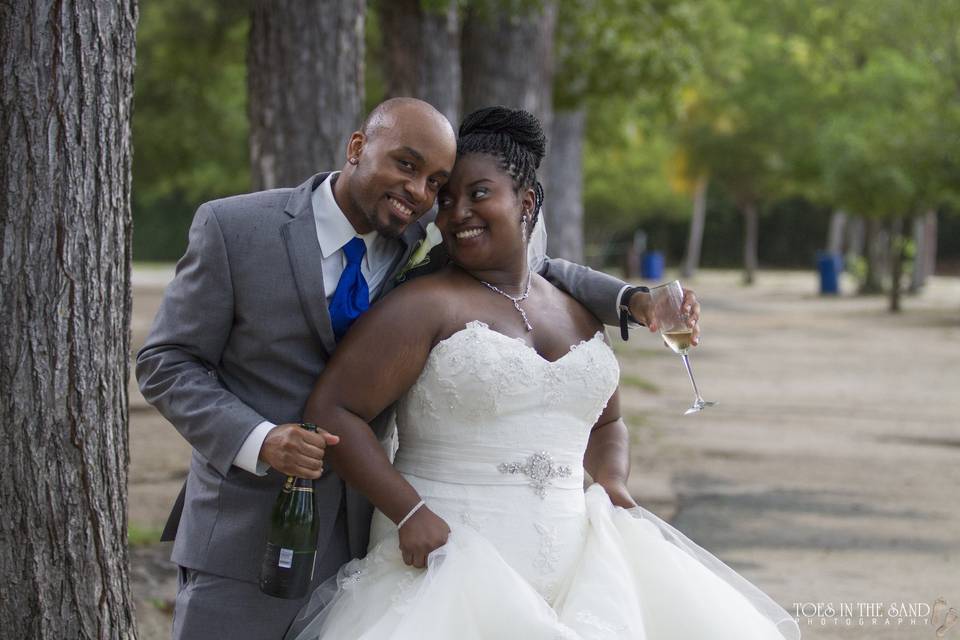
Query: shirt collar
(333,228)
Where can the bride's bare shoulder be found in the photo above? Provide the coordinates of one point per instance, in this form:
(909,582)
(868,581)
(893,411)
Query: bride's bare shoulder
(568,313)
(427,288)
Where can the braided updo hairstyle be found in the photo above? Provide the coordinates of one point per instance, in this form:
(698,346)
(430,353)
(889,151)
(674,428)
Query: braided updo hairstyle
(515,138)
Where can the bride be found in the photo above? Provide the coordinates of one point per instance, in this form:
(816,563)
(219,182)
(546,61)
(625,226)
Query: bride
(483,528)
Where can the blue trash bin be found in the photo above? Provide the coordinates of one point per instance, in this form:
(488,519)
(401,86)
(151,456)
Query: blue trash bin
(651,265)
(829,265)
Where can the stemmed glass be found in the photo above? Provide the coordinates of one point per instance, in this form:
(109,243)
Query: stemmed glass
(676,333)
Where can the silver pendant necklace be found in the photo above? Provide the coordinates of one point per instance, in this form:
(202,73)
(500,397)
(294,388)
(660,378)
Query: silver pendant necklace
(515,300)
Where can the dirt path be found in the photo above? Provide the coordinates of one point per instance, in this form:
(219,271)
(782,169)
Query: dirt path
(828,474)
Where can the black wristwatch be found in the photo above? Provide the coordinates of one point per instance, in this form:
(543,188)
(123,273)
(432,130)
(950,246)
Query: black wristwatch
(624,305)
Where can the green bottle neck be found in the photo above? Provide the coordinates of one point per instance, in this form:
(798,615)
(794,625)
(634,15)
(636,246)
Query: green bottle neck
(297,484)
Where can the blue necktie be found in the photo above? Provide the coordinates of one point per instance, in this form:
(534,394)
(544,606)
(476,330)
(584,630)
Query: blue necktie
(352,296)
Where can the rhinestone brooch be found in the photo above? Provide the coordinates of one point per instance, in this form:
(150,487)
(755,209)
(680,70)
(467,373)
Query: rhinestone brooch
(541,470)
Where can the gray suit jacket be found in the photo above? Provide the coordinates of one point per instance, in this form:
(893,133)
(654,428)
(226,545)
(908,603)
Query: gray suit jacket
(241,336)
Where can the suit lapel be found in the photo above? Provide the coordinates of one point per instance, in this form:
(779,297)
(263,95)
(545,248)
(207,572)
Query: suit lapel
(411,238)
(306,261)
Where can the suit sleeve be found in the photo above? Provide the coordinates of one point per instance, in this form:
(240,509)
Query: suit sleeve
(177,366)
(597,291)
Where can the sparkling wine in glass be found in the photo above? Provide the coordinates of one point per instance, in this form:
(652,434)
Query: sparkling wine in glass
(676,333)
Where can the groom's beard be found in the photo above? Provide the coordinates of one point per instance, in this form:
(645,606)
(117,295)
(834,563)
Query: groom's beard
(393,227)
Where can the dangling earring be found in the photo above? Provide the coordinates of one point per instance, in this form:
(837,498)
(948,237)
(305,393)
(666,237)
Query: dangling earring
(523,226)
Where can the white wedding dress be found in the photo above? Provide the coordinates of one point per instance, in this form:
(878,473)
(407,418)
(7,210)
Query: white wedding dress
(492,436)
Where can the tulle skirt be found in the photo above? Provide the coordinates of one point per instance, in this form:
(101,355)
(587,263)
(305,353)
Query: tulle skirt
(636,577)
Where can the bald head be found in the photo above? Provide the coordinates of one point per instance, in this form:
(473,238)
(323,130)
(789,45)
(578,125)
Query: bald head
(406,111)
(395,166)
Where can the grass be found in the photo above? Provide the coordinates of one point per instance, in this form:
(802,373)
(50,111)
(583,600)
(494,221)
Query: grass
(627,350)
(138,536)
(164,605)
(637,382)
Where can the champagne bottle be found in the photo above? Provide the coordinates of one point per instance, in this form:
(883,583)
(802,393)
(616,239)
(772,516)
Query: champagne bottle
(288,560)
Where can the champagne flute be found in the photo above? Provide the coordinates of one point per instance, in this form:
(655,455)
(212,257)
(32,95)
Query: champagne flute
(676,333)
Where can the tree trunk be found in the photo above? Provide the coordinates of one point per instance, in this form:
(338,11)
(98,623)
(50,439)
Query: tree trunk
(925,256)
(421,53)
(856,233)
(918,274)
(750,241)
(876,258)
(691,261)
(896,263)
(507,59)
(930,241)
(565,164)
(304,87)
(838,221)
(66,90)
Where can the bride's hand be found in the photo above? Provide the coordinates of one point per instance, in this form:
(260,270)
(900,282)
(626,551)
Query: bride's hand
(421,534)
(619,495)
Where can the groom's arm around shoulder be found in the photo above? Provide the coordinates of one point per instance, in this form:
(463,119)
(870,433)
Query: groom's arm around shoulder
(176,367)
(598,292)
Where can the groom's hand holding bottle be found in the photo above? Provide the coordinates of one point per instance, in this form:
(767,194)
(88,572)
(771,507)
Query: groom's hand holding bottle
(296,452)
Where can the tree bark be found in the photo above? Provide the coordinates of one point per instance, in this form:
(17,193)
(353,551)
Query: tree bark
(855,233)
(691,261)
(896,263)
(507,59)
(918,274)
(66,91)
(838,222)
(304,87)
(421,53)
(565,165)
(751,225)
(876,258)
(930,241)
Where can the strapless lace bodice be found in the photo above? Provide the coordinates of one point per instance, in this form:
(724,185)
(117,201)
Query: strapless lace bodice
(488,409)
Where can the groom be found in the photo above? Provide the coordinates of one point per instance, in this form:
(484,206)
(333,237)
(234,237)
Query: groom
(267,285)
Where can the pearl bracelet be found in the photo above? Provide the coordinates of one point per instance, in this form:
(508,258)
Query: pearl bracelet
(409,515)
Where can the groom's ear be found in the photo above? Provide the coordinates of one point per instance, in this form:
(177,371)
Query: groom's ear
(355,146)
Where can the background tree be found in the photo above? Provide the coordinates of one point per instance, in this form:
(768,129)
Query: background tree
(883,156)
(635,50)
(735,128)
(66,95)
(421,52)
(305,87)
(507,57)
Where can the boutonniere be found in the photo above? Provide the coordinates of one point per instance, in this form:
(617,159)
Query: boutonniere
(421,254)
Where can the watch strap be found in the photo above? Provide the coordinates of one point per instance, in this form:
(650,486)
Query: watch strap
(624,305)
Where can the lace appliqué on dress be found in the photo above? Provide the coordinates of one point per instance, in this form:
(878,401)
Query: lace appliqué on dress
(473,521)
(403,595)
(548,555)
(541,470)
(604,628)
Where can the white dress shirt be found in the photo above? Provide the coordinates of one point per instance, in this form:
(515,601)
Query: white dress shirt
(333,232)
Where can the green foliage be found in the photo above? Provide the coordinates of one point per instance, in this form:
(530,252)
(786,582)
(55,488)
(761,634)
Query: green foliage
(190,121)
(890,146)
(612,48)
(747,124)
(627,170)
